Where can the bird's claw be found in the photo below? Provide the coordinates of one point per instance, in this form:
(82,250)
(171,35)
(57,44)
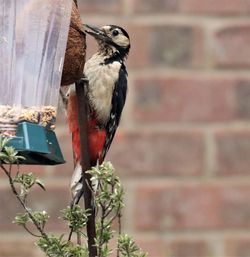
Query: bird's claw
(83,80)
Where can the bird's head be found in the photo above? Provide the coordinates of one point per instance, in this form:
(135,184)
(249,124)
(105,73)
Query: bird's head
(111,39)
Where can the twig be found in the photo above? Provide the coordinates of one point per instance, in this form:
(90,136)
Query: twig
(85,164)
(101,232)
(13,188)
(30,232)
(119,232)
(21,201)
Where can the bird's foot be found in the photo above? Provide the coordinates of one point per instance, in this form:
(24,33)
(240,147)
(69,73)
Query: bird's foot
(83,80)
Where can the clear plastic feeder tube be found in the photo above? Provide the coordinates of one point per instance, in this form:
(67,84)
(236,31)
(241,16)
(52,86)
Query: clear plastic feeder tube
(33,37)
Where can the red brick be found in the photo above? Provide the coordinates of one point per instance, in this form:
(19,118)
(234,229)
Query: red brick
(196,207)
(237,247)
(174,247)
(184,99)
(65,142)
(189,248)
(11,208)
(99,6)
(159,6)
(234,209)
(154,246)
(197,7)
(243,99)
(17,247)
(175,46)
(231,47)
(232,152)
(140,46)
(165,46)
(214,7)
(38,170)
(64,138)
(53,200)
(161,153)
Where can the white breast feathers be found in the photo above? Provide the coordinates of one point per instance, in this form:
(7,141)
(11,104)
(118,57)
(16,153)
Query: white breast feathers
(102,79)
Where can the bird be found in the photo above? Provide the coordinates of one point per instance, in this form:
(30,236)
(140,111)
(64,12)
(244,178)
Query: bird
(105,94)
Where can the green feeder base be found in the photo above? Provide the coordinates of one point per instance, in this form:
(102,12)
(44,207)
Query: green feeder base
(37,144)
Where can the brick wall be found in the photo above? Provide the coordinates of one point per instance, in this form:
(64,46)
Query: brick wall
(183,150)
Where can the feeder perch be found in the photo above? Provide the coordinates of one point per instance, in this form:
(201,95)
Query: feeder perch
(33,37)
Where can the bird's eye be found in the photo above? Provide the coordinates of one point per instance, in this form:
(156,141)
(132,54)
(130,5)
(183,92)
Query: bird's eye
(115,32)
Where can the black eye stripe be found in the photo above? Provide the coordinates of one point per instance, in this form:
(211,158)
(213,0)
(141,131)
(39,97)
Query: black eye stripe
(123,31)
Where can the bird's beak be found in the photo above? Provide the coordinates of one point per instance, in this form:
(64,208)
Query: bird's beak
(96,33)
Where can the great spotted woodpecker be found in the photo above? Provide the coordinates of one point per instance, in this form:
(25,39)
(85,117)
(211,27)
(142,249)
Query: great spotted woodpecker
(106,95)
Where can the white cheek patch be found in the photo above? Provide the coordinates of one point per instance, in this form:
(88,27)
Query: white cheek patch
(121,40)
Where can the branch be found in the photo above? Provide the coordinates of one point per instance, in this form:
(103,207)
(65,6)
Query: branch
(119,233)
(30,232)
(85,164)
(13,188)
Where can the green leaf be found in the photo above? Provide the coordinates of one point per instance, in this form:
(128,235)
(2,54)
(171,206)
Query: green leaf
(21,219)
(41,217)
(3,142)
(9,155)
(27,181)
(40,184)
(3,155)
(57,247)
(77,217)
(128,248)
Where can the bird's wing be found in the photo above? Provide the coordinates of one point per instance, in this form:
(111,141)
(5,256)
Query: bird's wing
(118,101)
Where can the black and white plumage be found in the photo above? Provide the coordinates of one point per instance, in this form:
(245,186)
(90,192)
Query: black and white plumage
(118,102)
(106,93)
(107,76)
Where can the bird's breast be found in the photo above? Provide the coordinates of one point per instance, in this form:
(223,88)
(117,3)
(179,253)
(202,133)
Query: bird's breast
(102,79)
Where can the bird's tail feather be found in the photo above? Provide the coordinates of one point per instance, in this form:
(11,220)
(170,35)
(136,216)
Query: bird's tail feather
(76,185)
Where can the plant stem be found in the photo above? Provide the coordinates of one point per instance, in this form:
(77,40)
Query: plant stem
(30,232)
(101,232)
(13,188)
(119,232)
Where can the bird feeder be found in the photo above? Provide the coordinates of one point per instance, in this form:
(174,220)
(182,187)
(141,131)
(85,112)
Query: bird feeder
(33,37)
